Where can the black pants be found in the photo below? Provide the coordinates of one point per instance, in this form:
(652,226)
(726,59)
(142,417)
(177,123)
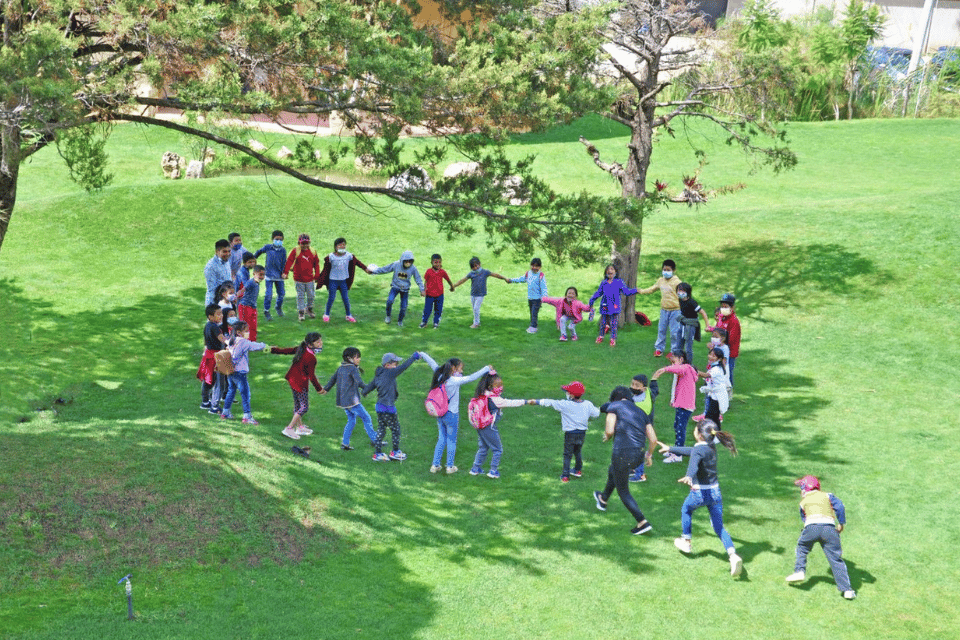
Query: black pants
(622,463)
(572,446)
(534,311)
(385,420)
(713,412)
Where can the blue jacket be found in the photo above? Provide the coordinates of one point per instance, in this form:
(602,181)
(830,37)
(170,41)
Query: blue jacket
(276,260)
(611,292)
(536,284)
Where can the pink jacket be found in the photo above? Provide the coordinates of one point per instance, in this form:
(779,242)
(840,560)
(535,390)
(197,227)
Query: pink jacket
(684,392)
(578,308)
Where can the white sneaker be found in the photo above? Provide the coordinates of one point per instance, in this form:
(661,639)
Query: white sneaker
(452,469)
(672,458)
(531,329)
(386,320)
(435,468)
(850,595)
(290,433)
(736,565)
(799,576)
(304,431)
(683,544)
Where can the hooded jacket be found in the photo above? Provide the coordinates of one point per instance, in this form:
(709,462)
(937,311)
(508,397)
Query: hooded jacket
(402,275)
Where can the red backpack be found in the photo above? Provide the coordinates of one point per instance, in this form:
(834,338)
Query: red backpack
(437,404)
(478,412)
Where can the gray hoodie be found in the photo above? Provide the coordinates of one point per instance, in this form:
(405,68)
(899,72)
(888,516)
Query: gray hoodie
(401,275)
(385,382)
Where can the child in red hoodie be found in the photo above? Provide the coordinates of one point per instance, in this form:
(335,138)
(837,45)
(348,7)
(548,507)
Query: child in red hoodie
(727,320)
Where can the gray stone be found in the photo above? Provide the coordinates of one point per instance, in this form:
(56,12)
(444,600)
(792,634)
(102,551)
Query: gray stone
(172,165)
(194,170)
(413,179)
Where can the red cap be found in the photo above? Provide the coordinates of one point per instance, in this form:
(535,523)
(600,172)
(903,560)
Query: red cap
(575,388)
(808,483)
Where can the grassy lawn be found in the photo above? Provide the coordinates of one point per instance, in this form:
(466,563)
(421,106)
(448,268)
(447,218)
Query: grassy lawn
(845,270)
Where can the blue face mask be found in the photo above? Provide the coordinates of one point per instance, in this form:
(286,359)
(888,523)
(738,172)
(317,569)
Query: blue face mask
(278,243)
(667,274)
(233,320)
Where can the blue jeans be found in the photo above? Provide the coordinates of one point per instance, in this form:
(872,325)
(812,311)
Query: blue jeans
(404,295)
(687,332)
(281,292)
(712,499)
(668,320)
(238,381)
(434,305)
(447,425)
(829,539)
(680,419)
(534,311)
(730,364)
(353,413)
(338,285)
(488,440)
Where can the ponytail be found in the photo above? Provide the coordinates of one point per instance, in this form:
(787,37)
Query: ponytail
(309,339)
(710,431)
(443,372)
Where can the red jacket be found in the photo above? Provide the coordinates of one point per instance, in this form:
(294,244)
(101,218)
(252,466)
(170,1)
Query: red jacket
(301,372)
(324,277)
(731,324)
(305,265)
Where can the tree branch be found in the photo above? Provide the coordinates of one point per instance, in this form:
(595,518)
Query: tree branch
(615,168)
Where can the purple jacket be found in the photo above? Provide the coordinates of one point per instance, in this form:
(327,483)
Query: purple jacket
(611,292)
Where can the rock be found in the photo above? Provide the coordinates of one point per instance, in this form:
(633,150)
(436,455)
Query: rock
(209,155)
(284,153)
(513,191)
(256,145)
(194,170)
(172,165)
(366,163)
(461,168)
(413,179)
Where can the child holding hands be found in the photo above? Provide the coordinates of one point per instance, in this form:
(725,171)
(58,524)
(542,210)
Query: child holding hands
(478,287)
(569,312)
(348,382)
(385,382)
(575,412)
(490,404)
(610,290)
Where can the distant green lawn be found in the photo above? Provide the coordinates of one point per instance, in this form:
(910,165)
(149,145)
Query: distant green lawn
(846,274)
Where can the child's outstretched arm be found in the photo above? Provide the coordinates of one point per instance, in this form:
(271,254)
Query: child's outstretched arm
(459,282)
(430,361)
(449,281)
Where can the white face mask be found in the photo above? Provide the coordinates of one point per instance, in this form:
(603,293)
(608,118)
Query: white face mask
(714,340)
(725,311)
(341,251)
(667,274)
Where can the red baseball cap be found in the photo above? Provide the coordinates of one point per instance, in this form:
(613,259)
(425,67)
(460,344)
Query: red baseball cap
(575,388)
(808,483)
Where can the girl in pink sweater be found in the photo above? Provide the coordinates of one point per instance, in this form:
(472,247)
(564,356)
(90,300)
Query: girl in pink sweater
(569,312)
(683,396)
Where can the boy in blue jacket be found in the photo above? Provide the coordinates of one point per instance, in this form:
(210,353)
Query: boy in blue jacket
(276,259)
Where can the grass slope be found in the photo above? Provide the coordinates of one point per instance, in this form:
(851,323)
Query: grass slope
(844,269)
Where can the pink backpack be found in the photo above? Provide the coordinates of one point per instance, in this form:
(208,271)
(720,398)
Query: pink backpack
(478,412)
(437,404)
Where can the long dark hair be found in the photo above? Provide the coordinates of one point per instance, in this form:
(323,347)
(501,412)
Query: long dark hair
(308,340)
(722,360)
(709,430)
(443,372)
(485,383)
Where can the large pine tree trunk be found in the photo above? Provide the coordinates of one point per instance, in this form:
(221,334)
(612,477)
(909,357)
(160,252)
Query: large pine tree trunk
(9,170)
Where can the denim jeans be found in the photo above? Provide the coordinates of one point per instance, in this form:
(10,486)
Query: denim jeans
(680,419)
(669,320)
(432,304)
(354,412)
(572,448)
(713,501)
(687,332)
(534,311)
(268,296)
(829,539)
(476,301)
(238,382)
(338,285)
(404,295)
(488,440)
(730,364)
(447,426)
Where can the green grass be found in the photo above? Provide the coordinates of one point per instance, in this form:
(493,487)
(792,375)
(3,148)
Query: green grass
(845,271)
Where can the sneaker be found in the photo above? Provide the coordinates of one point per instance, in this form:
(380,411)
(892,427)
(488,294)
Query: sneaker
(576,474)
(476,471)
(574,338)
(564,479)
(326,318)
(249,421)
(657,353)
(380,457)
(290,433)
(613,342)
(226,415)
(452,469)
(310,313)
(346,447)
(206,406)
(672,458)
(386,320)
(641,528)
(435,468)
(531,329)
(399,323)
(638,478)
(266,314)
(300,316)
(563,338)
(424,324)
(213,410)
(850,595)
(351,319)
(279,312)
(397,455)
(475,326)
(493,474)
(798,576)
(599,339)
(698,418)
(600,505)
(683,544)
(736,565)
(436,326)
(304,431)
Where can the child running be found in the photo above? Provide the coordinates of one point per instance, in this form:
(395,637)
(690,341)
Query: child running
(569,312)
(610,289)
(536,290)
(301,375)
(348,382)
(486,409)
(385,382)
(575,413)
(683,396)
(478,287)
(704,485)
(450,376)
(240,354)
(433,303)
(645,394)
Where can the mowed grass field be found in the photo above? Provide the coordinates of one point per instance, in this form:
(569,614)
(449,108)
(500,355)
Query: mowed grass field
(845,272)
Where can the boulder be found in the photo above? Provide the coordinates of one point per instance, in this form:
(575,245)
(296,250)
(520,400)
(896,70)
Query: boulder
(256,145)
(366,163)
(194,169)
(209,155)
(172,165)
(461,168)
(413,179)
(284,153)
(512,191)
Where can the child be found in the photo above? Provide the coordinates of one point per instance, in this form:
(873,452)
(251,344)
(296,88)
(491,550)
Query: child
(728,321)
(302,373)
(348,381)
(667,284)
(243,273)
(434,277)
(489,388)
(385,382)
(236,253)
(213,341)
(610,290)
(306,270)
(247,309)
(339,268)
(644,395)
(569,312)
(450,376)
(536,290)
(718,401)
(718,341)
(704,485)
(276,260)
(478,287)
(239,351)
(683,396)
(823,519)
(226,297)
(230,320)
(403,271)
(689,323)
(575,412)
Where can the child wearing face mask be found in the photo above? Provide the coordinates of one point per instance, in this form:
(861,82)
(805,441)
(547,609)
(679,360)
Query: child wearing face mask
(575,412)
(276,260)
(569,312)
(403,272)
(728,321)
(689,322)
(478,287)
(339,268)
(667,285)
(489,389)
